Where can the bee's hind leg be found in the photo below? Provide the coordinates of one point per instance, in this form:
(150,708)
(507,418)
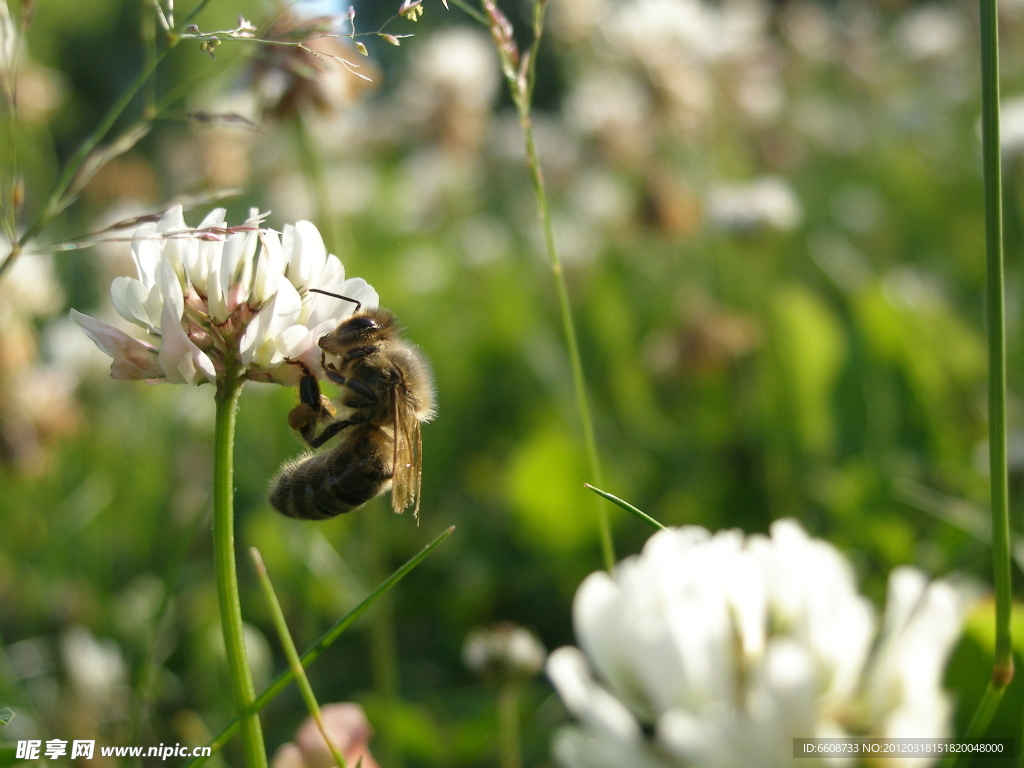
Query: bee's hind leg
(303,419)
(329,431)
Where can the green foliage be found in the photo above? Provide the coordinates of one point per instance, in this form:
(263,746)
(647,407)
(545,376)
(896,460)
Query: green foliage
(810,348)
(544,477)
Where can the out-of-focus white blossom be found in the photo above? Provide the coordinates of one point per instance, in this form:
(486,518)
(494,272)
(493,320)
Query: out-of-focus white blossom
(36,399)
(504,651)
(452,85)
(321,76)
(31,288)
(718,650)
(576,21)
(1011,126)
(697,54)
(808,28)
(766,202)
(689,28)
(220,298)
(930,32)
(8,40)
(457,64)
(613,106)
(95,668)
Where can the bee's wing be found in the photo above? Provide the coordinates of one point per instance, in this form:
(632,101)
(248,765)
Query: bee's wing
(407,468)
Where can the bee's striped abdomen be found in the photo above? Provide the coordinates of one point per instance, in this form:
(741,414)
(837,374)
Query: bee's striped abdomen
(323,485)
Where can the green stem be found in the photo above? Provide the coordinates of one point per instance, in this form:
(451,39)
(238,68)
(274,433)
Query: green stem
(294,662)
(325,642)
(228,389)
(522,95)
(147,31)
(508,726)
(1002,670)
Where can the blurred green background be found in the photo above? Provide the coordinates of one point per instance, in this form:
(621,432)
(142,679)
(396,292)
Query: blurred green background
(771,219)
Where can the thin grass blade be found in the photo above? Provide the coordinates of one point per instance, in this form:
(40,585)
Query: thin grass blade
(626,506)
(294,663)
(328,638)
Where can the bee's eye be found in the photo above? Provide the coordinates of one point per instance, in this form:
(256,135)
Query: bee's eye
(360,323)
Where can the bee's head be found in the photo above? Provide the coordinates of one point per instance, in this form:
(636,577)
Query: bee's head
(365,326)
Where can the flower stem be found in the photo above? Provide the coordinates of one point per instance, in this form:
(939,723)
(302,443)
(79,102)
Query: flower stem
(228,389)
(1002,671)
(508,725)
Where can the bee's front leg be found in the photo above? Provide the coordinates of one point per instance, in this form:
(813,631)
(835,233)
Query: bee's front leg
(310,395)
(313,408)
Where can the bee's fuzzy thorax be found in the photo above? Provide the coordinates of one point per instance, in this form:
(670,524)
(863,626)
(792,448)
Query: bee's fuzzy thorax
(387,393)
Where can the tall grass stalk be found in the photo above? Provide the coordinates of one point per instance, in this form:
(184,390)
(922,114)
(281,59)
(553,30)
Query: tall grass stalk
(1002,669)
(1002,672)
(228,389)
(521,76)
(325,642)
(294,662)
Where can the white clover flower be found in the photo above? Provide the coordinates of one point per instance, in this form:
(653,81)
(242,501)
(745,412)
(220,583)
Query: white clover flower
(96,668)
(718,650)
(767,202)
(216,299)
(504,651)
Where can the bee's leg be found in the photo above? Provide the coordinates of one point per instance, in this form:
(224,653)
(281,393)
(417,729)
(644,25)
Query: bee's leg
(329,431)
(309,394)
(313,408)
(309,391)
(303,418)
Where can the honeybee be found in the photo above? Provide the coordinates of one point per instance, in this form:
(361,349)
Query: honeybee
(388,392)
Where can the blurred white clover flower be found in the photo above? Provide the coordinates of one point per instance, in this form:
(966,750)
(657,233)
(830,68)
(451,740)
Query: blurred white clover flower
(504,651)
(215,302)
(95,668)
(1011,139)
(718,650)
(767,202)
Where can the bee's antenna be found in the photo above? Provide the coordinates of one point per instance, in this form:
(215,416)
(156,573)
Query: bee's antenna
(358,304)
